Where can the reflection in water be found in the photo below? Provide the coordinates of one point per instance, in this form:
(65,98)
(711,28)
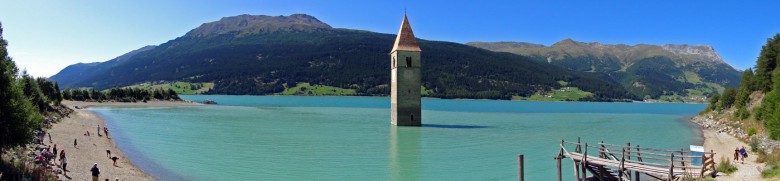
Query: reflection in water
(452,126)
(405,153)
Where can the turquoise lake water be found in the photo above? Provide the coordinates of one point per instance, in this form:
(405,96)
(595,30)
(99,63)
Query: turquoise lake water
(350,138)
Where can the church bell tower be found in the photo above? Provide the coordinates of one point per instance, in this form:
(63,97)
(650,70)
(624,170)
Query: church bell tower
(405,109)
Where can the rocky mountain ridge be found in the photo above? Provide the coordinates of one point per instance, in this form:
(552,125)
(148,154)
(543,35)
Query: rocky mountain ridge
(650,71)
(623,52)
(251,24)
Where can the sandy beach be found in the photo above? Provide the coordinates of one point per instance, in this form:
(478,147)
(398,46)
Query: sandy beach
(92,149)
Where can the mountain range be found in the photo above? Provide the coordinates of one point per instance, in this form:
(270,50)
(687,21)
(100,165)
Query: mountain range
(262,55)
(648,71)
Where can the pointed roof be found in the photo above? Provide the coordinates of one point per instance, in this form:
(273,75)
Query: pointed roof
(405,40)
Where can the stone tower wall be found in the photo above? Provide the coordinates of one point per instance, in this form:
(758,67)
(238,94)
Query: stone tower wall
(405,95)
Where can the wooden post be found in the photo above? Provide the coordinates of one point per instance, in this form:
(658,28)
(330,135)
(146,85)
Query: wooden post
(578,149)
(602,154)
(628,144)
(638,158)
(703,164)
(671,167)
(520,170)
(682,159)
(585,163)
(629,150)
(621,168)
(576,171)
(558,163)
(602,150)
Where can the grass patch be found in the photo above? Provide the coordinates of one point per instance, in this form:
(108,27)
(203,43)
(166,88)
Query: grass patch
(563,83)
(182,88)
(563,94)
(692,77)
(716,86)
(424,91)
(304,88)
(671,98)
(725,166)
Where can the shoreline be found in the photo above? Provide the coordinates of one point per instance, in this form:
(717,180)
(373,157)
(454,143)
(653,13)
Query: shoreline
(92,149)
(388,96)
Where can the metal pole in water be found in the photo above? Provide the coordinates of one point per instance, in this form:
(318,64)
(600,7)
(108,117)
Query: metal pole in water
(520,170)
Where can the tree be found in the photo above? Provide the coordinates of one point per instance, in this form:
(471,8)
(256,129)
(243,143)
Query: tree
(49,89)
(714,102)
(728,98)
(748,81)
(32,90)
(18,117)
(172,95)
(66,94)
(766,63)
(770,109)
(746,87)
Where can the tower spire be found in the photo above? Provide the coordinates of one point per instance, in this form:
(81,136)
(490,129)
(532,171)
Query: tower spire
(405,39)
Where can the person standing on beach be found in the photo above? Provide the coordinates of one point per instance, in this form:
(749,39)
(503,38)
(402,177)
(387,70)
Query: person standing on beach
(75,144)
(108,153)
(736,154)
(62,155)
(98,130)
(95,172)
(64,162)
(54,153)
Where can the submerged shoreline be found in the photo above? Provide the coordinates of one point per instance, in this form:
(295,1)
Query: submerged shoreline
(92,149)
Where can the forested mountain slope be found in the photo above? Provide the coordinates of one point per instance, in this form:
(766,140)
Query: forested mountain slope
(647,71)
(261,55)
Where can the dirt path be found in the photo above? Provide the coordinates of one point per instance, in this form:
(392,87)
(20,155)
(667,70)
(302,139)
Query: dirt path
(724,145)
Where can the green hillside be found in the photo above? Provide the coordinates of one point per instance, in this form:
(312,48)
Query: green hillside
(279,51)
(304,88)
(180,87)
(563,94)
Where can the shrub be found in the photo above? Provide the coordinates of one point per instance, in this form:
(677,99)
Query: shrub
(772,168)
(742,113)
(753,143)
(725,166)
(761,157)
(751,132)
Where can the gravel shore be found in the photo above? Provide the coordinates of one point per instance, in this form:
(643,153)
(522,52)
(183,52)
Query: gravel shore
(92,149)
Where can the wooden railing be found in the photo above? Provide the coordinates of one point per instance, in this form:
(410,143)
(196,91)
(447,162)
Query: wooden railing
(648,161)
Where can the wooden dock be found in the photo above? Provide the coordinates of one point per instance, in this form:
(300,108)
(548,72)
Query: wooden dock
(607,162)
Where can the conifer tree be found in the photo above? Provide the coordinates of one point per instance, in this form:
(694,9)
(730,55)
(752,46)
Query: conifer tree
(766,64)
(714,99)
(770,109)
(18,117)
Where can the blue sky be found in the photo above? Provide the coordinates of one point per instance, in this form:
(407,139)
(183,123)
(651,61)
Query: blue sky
(46,36)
